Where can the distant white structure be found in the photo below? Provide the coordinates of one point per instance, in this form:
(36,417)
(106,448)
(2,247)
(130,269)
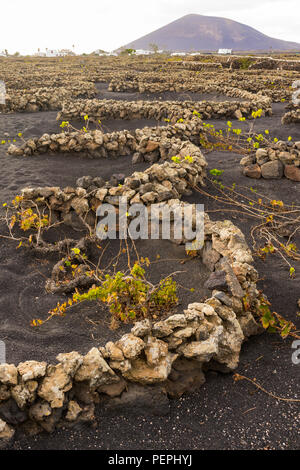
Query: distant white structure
(179,53)
(225,51)
(2,101)
(143,52)
(65,52)
(54,53)
(51,53)
(2,54)
(101,53)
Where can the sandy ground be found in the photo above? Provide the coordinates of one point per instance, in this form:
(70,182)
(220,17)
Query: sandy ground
(222,414)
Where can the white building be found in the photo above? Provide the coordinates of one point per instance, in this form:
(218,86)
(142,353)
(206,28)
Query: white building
(56,53)
(143,52)
(100,52)
(179,53)
(65,52)
(50,53)
(225,51)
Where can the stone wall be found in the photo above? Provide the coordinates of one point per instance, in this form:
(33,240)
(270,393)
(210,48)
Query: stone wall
(155,84)
(166,142)
(291,116)
(43,99)
(173,110)
(41,73)
(195,65)
(276,85)
(162,360)
(263,63)
(93,143)
(278,160)
(238,62)
(157,183)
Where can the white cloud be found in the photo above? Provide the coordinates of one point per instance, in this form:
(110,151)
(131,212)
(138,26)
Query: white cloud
(30,24)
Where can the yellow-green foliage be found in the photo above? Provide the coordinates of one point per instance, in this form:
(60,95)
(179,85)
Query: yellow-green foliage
(128,296)
(245,62)
(131,296)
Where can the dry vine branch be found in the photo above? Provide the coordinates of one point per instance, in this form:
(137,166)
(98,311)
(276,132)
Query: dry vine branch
(274,216)
(238,377)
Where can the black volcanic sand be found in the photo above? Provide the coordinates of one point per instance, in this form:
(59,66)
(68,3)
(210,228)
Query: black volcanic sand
(222,414)
(23,297)
(104,94)
(35,124)
(57,170)
(23,273)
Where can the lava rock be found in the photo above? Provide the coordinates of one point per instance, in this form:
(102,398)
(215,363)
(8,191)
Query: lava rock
(252,171)
(84,182)
(292,172)
(272,170)
(217,281)
(139,400)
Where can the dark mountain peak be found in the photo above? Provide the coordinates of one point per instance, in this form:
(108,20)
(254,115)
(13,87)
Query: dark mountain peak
(209,33)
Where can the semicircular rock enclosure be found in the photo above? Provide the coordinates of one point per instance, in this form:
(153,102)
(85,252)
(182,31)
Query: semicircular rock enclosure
(103,321)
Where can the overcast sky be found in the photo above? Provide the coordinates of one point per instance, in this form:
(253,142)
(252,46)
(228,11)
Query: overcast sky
(108,24)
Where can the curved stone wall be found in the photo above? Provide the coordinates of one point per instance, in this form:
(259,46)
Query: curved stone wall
(166,358)
(278,160)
